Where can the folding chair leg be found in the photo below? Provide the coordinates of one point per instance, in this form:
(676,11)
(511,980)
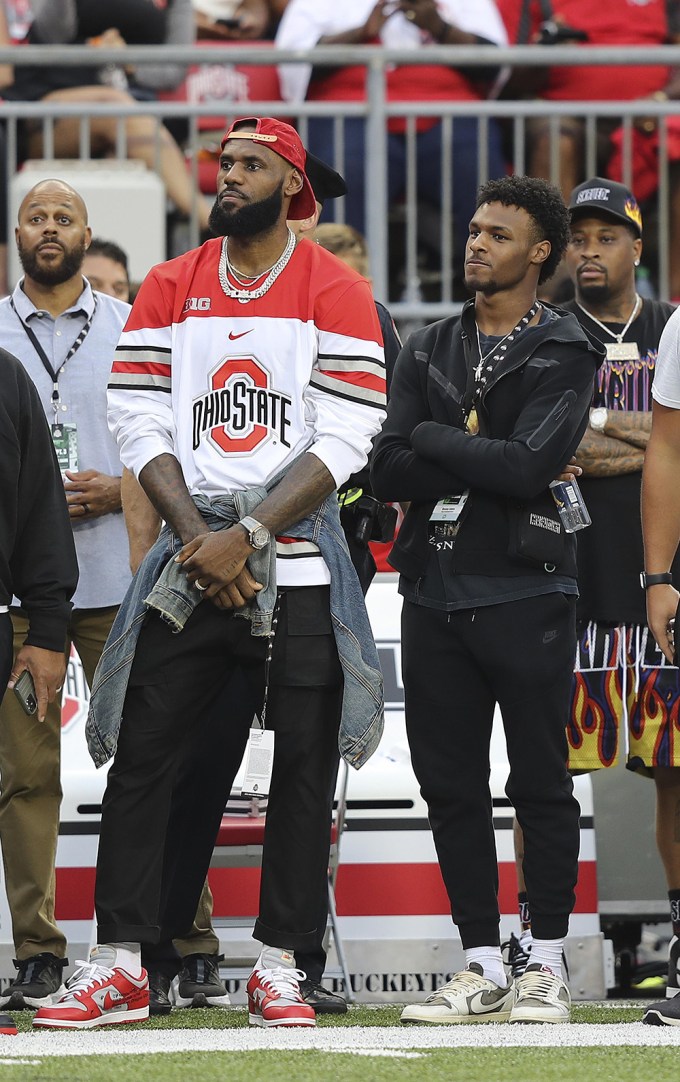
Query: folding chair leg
(339,949)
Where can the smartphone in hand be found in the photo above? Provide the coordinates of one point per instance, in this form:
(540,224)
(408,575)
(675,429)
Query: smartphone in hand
(24,689)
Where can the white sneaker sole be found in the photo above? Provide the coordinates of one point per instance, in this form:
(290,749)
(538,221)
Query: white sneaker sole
(32,1002)
(109,1019)
(200,999)
(455,1020)
(530,1015)
(258,1020)
(657,1018)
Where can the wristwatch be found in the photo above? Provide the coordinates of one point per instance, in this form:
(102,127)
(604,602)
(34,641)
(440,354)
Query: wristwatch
(663,578)
(258,535)
(598,418)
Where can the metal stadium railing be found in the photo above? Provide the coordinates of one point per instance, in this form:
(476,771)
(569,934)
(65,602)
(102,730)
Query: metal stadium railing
(417,292)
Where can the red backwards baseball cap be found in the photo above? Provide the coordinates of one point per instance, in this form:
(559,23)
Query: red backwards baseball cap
(284,141)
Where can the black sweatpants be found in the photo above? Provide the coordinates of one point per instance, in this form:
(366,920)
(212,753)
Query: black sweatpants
(155,843)
(456,667)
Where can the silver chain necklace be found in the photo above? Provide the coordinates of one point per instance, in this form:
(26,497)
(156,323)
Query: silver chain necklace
(244,295)
(247,279)
(603,326)
(497,351)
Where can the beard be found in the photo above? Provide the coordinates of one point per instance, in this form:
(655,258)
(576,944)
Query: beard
(596,293)
(51,275)
(510,276)
(489,286)
(248,220)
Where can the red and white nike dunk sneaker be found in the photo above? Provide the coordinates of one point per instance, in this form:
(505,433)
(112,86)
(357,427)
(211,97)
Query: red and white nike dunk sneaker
(274,998)
(98,996)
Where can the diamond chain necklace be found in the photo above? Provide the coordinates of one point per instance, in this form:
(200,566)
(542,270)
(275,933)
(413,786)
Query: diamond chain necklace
(603,326)
(244,295)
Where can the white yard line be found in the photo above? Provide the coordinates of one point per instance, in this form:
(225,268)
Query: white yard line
(363,1039)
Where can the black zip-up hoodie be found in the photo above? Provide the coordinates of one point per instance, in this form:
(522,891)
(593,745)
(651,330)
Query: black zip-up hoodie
(532,415)
(37,554)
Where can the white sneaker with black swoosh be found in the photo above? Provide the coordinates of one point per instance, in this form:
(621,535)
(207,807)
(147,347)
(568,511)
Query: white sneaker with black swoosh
(468,997)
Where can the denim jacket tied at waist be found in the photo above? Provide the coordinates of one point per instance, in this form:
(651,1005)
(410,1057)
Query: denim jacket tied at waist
(362,718)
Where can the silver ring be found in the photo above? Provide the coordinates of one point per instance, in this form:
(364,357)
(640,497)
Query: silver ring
(86,508)
(200,588)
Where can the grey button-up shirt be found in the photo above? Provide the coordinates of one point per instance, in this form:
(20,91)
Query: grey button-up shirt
(101,544)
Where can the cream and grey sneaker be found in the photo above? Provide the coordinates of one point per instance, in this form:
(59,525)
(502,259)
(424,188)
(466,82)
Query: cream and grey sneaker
(541,997)
(468,997)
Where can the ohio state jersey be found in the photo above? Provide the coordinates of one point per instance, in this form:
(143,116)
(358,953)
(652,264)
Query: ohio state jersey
(237,391)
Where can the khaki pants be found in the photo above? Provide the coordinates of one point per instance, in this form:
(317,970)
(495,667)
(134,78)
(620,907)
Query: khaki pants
(201,939)
(30,793)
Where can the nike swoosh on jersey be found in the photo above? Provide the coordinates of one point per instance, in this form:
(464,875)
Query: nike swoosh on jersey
(233,337)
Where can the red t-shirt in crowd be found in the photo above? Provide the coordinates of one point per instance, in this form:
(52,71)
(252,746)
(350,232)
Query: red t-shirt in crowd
(405,83)
(607,22)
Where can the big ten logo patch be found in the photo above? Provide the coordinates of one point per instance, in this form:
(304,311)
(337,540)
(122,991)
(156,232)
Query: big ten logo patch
(241,411)
(76,694)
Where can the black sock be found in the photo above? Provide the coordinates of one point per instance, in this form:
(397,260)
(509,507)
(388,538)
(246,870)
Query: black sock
(524,911)
(674,899)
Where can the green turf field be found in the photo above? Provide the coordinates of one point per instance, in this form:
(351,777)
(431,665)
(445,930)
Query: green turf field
(604,1044)
(471,1065)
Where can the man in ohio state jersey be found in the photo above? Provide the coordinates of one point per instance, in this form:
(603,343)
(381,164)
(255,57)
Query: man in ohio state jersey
(248,384)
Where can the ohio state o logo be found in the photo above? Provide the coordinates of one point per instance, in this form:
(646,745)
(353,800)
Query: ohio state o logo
(241,410)
(240,377)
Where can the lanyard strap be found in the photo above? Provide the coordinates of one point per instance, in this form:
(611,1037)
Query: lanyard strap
(44,359)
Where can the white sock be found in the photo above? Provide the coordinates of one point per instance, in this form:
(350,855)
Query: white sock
(548,952)
(127,956)
(491,961)
(273,957)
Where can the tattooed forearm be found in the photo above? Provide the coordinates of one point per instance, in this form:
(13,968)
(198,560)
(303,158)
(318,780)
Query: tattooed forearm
(304,487)
(163,481)
(599,455)
(632,426)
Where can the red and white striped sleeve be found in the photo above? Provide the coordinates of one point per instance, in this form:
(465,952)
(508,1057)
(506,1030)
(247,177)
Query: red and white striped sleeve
(139,401)
(347,385)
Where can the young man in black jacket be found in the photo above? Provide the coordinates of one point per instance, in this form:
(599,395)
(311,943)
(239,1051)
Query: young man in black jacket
(485,411)
(37,555)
